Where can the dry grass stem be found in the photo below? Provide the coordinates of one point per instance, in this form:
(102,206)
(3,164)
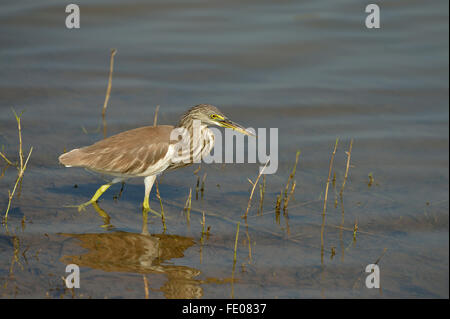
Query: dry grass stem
(145,286)
(197,186)
(163,219)
(349,154)
(329,177)
(7,160)
(203,223)
(155,119)
(19,128)
(249,245)
(322,228)
(19,179)
(234,261)
(202,189)
(286,202)
(253,189)
(288,229)
(333,252)
(4,170)
(277,207)
(202,238)
(198,169)
(262,191)
(21,169)
(235,243)
(108,89)
(371,180)
(187,206)
(355,230)
(292,175)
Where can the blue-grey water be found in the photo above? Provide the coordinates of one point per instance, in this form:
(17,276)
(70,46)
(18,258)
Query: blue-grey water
(309,68)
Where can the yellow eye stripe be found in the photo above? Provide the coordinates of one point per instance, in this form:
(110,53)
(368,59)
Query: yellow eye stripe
(216,116)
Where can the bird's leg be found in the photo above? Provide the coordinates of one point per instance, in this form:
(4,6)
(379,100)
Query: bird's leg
(144,222)
(149,180)
(117,197)
(104,215)
(96,196)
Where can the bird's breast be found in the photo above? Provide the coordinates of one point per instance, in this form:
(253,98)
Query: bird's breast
(192,147)
(202,144)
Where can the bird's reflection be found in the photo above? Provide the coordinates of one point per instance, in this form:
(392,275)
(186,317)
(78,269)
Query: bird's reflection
(104,215)
(144,253)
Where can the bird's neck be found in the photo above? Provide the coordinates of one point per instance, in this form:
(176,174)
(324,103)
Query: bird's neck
(193,127)
(197,139)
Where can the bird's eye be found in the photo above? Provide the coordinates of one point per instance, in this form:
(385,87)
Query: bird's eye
(214,116)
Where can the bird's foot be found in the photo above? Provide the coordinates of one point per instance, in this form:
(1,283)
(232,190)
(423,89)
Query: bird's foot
(146,209)
(145,206)
(81,207)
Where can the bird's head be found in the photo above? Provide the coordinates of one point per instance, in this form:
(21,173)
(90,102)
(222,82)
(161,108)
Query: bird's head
(210,115)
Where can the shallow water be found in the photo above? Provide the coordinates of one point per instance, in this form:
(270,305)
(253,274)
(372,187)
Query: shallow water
(311,69)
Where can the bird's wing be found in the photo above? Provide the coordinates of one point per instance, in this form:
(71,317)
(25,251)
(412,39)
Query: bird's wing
(133,153)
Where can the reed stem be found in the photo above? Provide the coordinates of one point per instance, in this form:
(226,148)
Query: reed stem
(108,89)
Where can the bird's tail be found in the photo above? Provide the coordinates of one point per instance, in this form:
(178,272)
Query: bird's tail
(71,158)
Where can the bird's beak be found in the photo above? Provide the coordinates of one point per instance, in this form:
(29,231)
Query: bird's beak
(234,126)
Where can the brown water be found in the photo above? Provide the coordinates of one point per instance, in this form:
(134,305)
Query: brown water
(310,68)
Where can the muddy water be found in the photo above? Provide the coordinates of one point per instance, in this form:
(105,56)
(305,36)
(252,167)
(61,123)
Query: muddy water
(311,69)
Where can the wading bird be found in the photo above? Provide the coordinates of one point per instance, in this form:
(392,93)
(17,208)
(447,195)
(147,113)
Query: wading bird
(150,150)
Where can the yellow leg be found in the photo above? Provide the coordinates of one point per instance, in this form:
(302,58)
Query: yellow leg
(145,221)
(104,215)
(94,198)
(145,204)
(148,181)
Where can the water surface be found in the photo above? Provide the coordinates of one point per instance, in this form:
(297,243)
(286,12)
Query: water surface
(309,68)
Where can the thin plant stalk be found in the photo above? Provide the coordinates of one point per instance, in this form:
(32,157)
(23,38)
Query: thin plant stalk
(7,160)
(203,223)
(262,191)
(197,187)
(21,168)
(4,170)
(292,175)
(322,229)
(155,119)
(145,286)
(253,190)
(161,204)
(329,177)
(235,243)
(19,179)
(198,169)
(202,189)
(249,244)
(277,207)
(349,154)
(187,206)
(234,260)
(286,202)
(19,128)
(108,89)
